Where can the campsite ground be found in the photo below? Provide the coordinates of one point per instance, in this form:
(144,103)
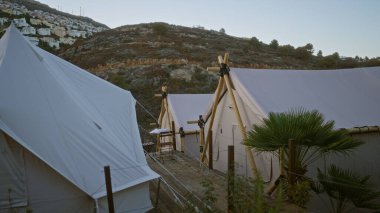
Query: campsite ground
(183,177)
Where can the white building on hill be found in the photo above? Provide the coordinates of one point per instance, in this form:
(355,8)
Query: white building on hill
(44,31)
(28,30)
(20,22)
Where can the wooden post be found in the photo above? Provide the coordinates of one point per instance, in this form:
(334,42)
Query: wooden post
(230,178)
(107,174)
(201,140)
(173,137)
(182,137)
(158,192)
(292,161)
(210,161)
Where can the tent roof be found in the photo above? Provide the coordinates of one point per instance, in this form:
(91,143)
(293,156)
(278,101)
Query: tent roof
(72,120)
(350,97)
(186,107)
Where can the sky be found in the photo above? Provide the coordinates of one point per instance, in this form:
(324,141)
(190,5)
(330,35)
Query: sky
(349,27)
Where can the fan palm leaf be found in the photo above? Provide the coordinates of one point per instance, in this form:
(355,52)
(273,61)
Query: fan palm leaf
(313,135)
(345,186)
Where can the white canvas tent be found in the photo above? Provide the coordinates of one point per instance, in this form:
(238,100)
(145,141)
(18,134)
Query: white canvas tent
(348,96)
(181,109)
(59,127)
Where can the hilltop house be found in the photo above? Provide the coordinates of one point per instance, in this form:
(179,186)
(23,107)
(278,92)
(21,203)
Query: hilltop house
(29,30)
(35,21)
(51,42)
(44,31)
(20,22)
(59,31)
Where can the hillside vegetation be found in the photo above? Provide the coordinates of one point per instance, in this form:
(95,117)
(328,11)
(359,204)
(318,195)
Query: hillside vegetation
(143,57)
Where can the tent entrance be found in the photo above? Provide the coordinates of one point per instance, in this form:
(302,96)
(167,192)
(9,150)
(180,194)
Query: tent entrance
(13,194)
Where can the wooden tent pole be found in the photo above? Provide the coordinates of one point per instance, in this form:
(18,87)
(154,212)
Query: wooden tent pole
(214,107)
(164,108)
(167,110)
(241,125)
(161,114)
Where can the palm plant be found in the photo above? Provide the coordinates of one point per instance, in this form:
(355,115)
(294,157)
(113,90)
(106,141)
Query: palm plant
(314,137)
(345,187)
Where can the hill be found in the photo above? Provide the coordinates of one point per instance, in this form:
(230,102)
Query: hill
(143,57)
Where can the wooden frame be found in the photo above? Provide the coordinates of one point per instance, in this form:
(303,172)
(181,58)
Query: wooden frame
(165,111)
(225,82)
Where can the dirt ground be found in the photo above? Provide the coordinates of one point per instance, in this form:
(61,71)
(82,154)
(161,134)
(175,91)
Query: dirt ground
(181,180)
(184,176)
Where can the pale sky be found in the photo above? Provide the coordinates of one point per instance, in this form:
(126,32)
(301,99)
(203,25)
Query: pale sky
(349,27)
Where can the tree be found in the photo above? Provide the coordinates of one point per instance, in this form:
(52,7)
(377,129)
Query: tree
(336,56)
(222,30)
(160,29)
(344,187)
(319,54)
(314,137)
(255,42)
(330,61)
(309,48)
(274,44)
(286,50)
(302,53)
(305,52)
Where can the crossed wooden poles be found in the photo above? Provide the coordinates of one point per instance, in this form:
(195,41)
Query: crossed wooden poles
(225,84)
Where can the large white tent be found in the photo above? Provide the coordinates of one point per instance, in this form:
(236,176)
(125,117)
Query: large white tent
(181,109)
(350,97)
(60,126)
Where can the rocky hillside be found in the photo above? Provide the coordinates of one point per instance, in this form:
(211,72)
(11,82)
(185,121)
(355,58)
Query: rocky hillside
(44,26)
(143,57)
(137,43)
